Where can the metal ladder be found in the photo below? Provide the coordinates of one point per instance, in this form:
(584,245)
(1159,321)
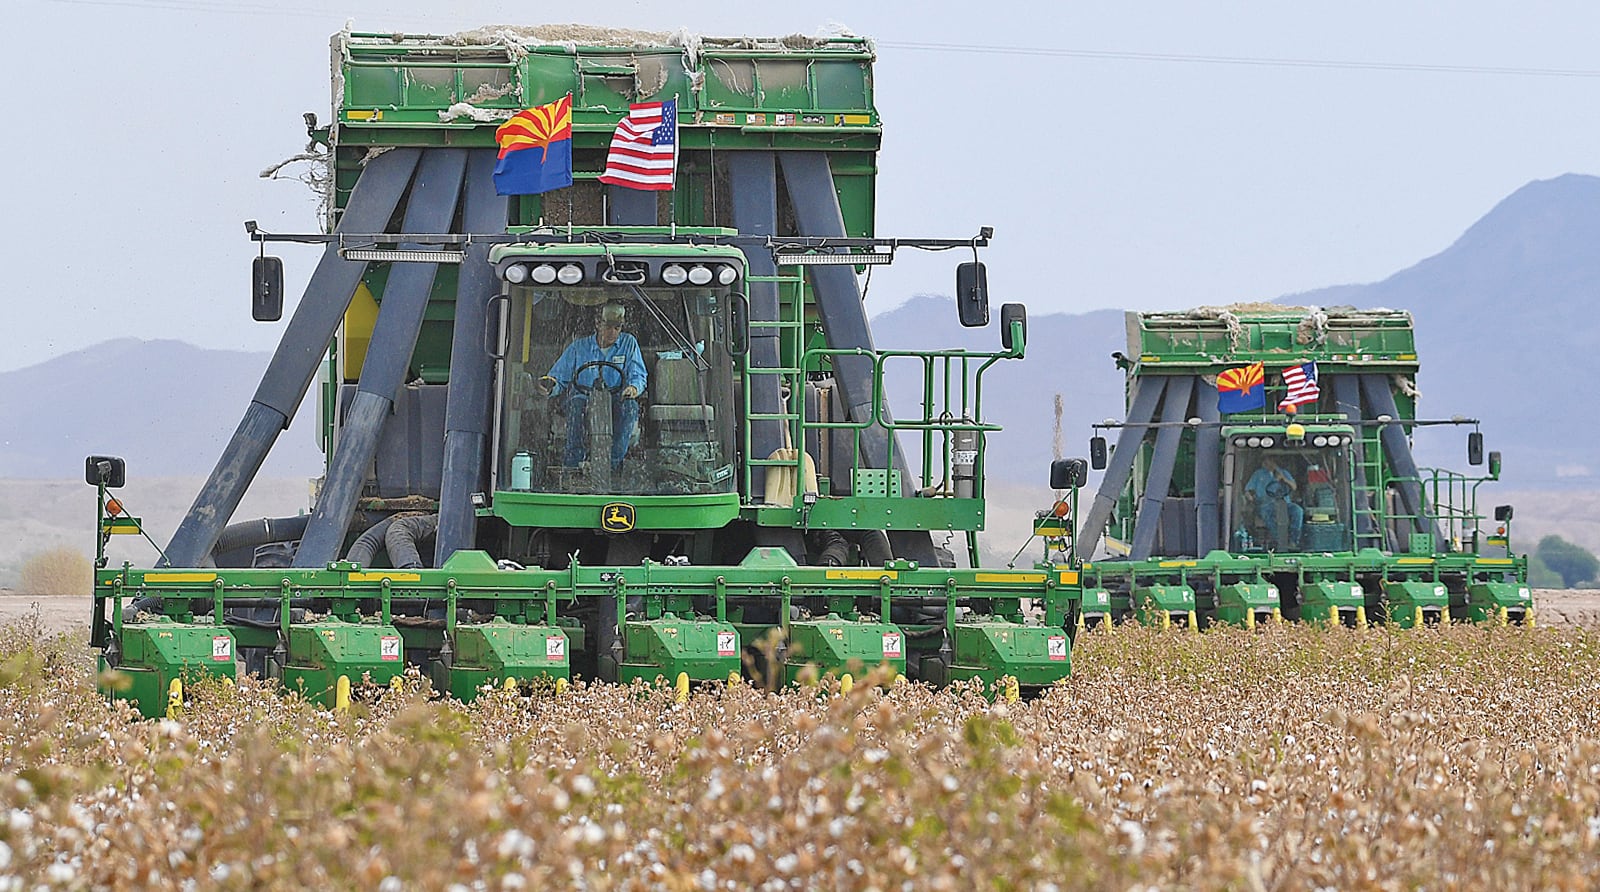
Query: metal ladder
(791,376)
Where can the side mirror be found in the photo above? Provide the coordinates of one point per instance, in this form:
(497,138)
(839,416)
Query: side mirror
(1068,473)
(1010,313)
(266,289)
(1475,448)
(1097,453)
(1494,465)
(739,325)
(972,294)
(1502,513)
(105,469)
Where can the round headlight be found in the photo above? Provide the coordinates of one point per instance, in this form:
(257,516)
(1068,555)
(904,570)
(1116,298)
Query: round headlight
(517,273)
(699,275)
(571,274)
(544,274)
(1267,442)
(1319,440)
(673,274)
(727,275)
(1253,442)
(1240,441)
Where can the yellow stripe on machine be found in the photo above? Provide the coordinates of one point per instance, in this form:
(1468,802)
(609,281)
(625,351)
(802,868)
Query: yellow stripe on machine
(1494,560)
(180,577)
(1179,564)
(1069,577)
(862,574)
(1009,577)
(380,576)
(120,526)
(1414,560)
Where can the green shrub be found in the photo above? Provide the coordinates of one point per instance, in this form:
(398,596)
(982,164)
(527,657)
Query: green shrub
(1573,563)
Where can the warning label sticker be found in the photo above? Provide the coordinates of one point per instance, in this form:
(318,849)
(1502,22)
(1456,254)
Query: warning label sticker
(892,646)
(1057,647)
(555,648)
(222,648)
(389,647)
(727,644)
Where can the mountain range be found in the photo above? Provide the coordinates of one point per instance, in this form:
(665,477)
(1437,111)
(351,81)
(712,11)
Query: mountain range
(166,406)
(1506,331)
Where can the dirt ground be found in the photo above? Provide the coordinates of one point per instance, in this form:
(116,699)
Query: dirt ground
(57,613)
(1554,607)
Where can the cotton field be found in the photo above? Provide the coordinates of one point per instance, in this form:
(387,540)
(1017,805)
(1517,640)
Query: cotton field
(1285,758)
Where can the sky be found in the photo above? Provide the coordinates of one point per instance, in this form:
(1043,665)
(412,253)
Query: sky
(1150,155)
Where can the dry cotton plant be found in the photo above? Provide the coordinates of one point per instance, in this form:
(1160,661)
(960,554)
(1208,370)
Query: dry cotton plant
(1289,758)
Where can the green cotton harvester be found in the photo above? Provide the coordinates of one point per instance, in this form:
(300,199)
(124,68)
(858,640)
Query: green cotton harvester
(597,431)
(1264,471)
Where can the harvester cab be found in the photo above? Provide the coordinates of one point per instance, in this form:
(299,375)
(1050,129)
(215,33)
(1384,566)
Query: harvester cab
(616,374)
(1288,488)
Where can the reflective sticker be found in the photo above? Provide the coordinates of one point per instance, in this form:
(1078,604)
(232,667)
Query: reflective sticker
(221,648)
(727,644)
(389,647)
(555,648)
(1056,647)
(891,645)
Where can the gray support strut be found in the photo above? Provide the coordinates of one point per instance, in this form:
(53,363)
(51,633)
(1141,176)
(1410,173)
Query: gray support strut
(1347,400)
(1142,406)
(1380,400)
(1207,468)
(753,176)
(466,415)
(844,324)
(302,348)
(1174,410)
(431,207)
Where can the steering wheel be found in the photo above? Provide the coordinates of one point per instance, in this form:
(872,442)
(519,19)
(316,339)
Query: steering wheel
(1277,489)
(600,377)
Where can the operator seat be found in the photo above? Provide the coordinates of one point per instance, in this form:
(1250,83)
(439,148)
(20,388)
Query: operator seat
(677,409)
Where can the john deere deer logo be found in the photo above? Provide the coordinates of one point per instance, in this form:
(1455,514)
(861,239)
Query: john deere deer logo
(617,517)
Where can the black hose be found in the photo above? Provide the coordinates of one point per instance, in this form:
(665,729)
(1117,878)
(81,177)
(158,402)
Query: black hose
(366,545)
(402,538)
(251,533)
(874,545)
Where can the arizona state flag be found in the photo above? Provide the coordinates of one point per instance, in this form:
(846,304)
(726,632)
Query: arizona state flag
(1242,389)
(535,150)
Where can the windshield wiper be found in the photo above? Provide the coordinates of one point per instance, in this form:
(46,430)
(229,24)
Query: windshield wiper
(677,334)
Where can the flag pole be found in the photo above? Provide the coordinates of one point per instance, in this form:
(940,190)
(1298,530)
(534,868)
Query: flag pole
(672,199)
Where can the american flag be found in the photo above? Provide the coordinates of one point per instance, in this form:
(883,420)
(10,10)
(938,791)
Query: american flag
(1301,380)
(644,149)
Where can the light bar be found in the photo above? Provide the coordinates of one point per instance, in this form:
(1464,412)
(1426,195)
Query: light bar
(403,256)
(825,259)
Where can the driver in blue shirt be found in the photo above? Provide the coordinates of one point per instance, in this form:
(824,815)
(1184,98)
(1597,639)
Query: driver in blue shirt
(609,357)
(1270,487)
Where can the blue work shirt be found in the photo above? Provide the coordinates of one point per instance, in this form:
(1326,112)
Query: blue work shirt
(623,353)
